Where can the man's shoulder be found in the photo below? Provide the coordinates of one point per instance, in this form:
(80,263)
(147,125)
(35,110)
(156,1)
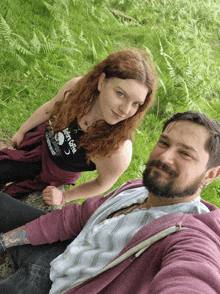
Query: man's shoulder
(125,186)
(133,184)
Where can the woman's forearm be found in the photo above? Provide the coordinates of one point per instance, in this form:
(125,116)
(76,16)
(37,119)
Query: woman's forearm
(53,196)
(40,115)
(87,189)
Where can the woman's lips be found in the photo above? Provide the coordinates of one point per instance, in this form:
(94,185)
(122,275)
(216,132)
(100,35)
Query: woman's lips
(116,115)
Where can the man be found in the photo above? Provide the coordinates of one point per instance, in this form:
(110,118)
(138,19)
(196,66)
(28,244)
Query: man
(151,236)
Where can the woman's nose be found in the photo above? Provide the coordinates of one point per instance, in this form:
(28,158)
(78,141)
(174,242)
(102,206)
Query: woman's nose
(125,108)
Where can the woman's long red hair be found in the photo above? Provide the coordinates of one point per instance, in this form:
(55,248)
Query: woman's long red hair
(102,139)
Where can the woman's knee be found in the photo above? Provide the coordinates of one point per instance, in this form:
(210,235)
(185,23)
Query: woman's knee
(15,213)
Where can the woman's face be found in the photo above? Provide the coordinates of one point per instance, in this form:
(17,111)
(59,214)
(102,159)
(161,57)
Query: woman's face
(119,99)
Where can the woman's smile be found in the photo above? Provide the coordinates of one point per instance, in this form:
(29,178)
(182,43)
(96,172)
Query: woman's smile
(116,115)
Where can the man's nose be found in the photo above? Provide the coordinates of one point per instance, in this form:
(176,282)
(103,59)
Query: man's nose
(168,156)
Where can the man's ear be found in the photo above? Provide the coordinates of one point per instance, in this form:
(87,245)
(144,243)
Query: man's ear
(101,80)
(211,175)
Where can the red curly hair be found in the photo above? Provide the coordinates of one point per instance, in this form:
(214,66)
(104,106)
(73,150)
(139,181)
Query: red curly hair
(102,139)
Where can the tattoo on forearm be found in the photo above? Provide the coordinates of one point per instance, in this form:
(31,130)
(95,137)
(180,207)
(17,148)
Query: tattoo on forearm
(16,237)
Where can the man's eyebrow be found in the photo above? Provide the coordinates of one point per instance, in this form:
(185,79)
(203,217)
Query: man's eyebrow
(164,137)
(181,144)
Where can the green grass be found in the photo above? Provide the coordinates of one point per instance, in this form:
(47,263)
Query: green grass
(46,43)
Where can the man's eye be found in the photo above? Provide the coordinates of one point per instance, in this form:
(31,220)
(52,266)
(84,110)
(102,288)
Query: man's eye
(186,154)
(120,94)
(163,143)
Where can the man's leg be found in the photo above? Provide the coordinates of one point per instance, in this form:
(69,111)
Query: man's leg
(32,264)
(15,213)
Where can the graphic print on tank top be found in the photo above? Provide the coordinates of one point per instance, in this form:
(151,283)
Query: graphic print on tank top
(62,142)
(64,152)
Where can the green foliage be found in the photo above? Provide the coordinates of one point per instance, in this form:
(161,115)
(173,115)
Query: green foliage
(17,44)
(46,43)
(212,192)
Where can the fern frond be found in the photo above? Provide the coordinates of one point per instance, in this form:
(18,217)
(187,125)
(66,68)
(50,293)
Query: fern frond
(36,67)
(185,85)
(15,42)
(105,43)
(65,4)
(149,52)
(171,70)
(58,9)
(70,61)
(161,83)
(25,43)
(36,43)
(157,67)
(16,46)
(19,58)
(67,37)
(81,37)
(94,52)
(46,45)
(49,7)
(54,34)
(5,29)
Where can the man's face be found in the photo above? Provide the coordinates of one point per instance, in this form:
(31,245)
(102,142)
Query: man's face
(178,162)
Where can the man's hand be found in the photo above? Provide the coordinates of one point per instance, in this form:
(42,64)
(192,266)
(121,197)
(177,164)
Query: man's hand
(52,196)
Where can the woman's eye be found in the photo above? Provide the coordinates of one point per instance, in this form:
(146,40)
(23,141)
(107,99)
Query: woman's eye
(136,103)
(120,94)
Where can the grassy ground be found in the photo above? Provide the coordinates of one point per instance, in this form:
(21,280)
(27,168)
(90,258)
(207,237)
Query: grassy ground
(46,43)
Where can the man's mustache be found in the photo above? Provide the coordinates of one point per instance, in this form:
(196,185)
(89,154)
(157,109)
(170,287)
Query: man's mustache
(165,167)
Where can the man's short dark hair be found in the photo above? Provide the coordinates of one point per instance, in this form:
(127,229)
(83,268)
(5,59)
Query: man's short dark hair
(212,126)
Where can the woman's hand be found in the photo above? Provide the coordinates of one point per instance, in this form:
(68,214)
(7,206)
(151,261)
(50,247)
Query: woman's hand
(17,139)
(52,196)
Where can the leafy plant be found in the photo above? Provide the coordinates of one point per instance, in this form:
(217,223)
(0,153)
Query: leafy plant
(15,44)
(46,43)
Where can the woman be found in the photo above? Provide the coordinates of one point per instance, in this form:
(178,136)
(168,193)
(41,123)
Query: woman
(88,125)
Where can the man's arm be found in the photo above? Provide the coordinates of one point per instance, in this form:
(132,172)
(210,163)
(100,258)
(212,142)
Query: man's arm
(15,237)
(190,264)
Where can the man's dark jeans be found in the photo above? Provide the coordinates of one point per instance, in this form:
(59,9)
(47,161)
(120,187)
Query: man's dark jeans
(32,263)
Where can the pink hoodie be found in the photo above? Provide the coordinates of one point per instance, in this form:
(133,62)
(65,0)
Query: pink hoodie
(177,253)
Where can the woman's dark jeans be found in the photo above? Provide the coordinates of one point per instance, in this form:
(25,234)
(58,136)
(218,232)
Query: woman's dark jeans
(32,263)
(18,171)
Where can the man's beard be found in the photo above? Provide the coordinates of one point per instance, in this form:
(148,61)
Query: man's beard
(153,184)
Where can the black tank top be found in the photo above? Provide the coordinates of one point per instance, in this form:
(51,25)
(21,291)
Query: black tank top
(63,150)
